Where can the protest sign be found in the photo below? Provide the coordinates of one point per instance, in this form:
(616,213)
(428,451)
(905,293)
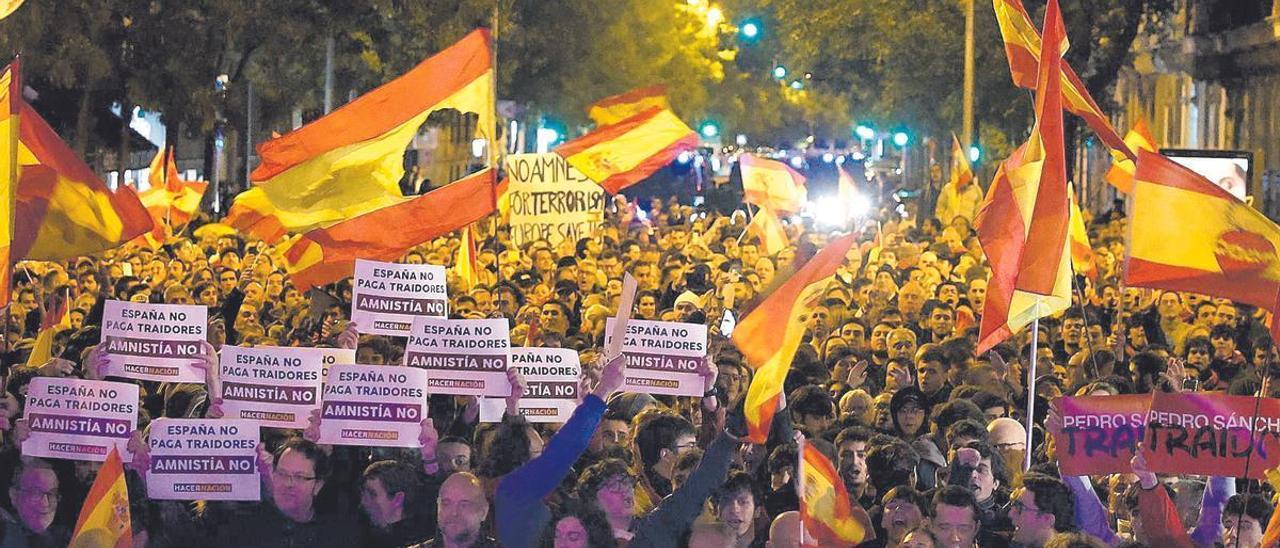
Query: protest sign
(374,405)
(153,342)
(203,459)
(662,357)
(1100,433)
(385,297)
(552,377)
(462,357)
(275,386)
(1212,434)
(551,200)
(78,419)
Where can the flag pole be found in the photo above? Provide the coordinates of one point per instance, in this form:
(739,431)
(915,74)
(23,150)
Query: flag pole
(748,225)
(800,482)
(1031,391)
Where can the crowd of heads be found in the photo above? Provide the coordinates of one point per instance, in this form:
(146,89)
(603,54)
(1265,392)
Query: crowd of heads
(929,438)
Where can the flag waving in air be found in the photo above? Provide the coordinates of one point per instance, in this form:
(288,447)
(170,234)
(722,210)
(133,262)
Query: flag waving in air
(825,509)
(10,100)
(1022,45)
(1024,221)
(171,201)
(1225,248)
(616,108)
(1120,175)
(957,198)
(350,161)
(104,520)
(1081,252)
(772,184)
(770,335)
(619,155)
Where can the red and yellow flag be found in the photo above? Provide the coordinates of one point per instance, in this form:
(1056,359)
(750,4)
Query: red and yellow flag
(622,154)
(350,161)
(63,209)
(11,88)
(766,226)
(772,184)
(769,336)
(1081,252)
(1191,235)
(464,264)
(326,255)
(170,201)
(616,108)
(825,509)
(1022,45)
(104,520)
(1120,174)
(55,320)
(1024,221)
(961,172)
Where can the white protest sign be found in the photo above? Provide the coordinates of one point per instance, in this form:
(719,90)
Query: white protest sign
(552,376)
(373,405)
(154,342)
(662,357)
(204,459)
(273,385)
(385,297)
(462,357)
(551,199)
(78,419)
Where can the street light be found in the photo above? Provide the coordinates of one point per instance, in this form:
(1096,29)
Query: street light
(796,84)
(900,138)
(779,72)
(974,153)
(750,30)
(709,129)
(865,132)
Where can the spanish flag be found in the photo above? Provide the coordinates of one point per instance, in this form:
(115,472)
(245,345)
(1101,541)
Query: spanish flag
(171,201)
(63,209)
(616,108)
(1022,45)
(1024,221)
(350,161)
(772,184)
(104,519)
(1120,175)
(326,255)
(10,100)
(1189,234)
(464,263)
(1081,252)
(55,320)
(826,512)
(767,227)
(961,173)
(620,155)
(770,334)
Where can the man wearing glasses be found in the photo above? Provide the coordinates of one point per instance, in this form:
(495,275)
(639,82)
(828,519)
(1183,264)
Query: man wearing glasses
(1040,508)
(35,497)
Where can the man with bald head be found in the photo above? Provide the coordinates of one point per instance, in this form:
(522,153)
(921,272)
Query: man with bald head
(461,509)
(785,531)
(1009,438)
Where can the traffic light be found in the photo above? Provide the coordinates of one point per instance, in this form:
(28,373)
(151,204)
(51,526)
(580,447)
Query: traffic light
(865,132)
(975,153)
(750,30)
(709,129)
(901,138)
(779,72)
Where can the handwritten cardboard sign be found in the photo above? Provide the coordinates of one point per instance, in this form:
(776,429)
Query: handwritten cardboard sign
(385,297)
(203,459)
(552,376)
(273,385)
(463,357)
(153,342)
(373,405)
(662,357)
(80,420)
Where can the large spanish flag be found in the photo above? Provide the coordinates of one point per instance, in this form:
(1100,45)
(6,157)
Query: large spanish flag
(1024,221)
(350,161)
(1022,45)
(326,255)
(772,184)
(104,520)
(616,108)
(1189,234)
(622,154)
(1120,174)
(63,209)
(825,509)
(770,334)
(10,99)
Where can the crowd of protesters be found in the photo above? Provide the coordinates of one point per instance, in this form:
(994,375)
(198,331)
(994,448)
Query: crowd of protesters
(928,437)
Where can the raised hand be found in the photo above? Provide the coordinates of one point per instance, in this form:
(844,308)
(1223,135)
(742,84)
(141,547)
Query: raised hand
(1175,374)
(429,439)
(1146,478)
(312,431)
(57,367)
(857,374)
(96,364)
(998,363)
(518,386)
(611,377)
